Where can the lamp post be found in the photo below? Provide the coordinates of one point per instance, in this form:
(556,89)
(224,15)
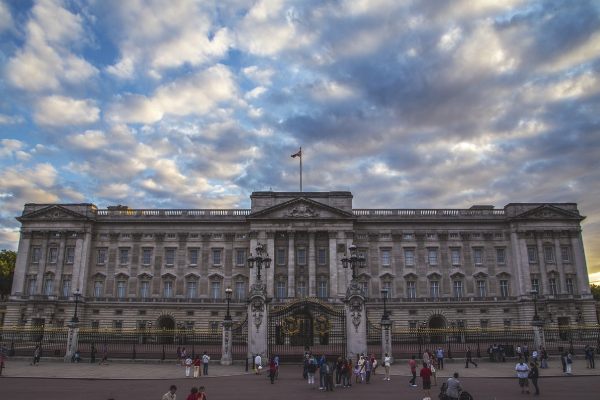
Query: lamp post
(228,293)
(384,294)
(354,261)
(261,260)
(534,295)
(77,295)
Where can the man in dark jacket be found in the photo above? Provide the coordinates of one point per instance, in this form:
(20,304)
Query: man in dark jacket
(469,358)
(534,374)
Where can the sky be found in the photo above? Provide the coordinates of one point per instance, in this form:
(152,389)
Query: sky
(196,104)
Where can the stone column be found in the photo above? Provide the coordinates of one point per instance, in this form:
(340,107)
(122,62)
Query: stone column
(23,255)
(578,255)
(257,320)
(270,273)
(291,261)
(356,321)
(253,243)
(72,340)
(80,265)
(333,266)
(386,339)
(521,263)
(538,334)
(312,266)
(226,357)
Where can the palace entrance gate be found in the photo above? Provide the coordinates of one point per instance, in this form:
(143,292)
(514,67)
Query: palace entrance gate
(306,323)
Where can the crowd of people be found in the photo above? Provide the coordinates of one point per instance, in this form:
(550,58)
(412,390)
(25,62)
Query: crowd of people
(193,362)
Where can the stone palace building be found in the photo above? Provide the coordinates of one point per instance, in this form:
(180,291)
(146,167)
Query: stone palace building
(166,268)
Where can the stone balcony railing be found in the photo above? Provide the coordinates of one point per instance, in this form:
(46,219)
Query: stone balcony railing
(172,213)
(429,213)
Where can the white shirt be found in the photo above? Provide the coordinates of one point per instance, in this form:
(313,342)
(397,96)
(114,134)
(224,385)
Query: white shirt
(386,361)
(205,359)
(522,371)
(258,360)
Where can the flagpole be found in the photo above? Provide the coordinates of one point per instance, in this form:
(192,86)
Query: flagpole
(301,169)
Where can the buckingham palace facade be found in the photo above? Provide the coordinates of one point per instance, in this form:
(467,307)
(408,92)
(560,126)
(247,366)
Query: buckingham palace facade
(139,268)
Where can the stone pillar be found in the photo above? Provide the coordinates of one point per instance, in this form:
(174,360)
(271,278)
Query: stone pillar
(538,334)
(386,339)
(226,357)
(72,340)
(333,265)
(257,320)
(356,321)
(270,273)
(578,260)
(312,266)
(23,256)
(291,261)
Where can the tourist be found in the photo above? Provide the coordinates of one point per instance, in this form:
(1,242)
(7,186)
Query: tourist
(197,363)
(433,368)
(387,362)
(519,353)
(276,359)
(257,364)
(563,361)
(523,375)
(346,372)
(425,375)
(188,366)
(589,357)
(374,364)
(453,387)
(534,374)
(311,368)
(328,367)
(305,366)
(526,353)
(368,370)
(193,394)
(412,363)
(104,360)
(205,361)
(37,355)
(76,357)
(349,371)
(272,370)
(322,362)
(439,354)
(170,395)
(544,358)
(569,361)
(534,356)
(202,393)
(3,355)
(339,366)
(183,356)
(469,358)
(426,358)
(93,354)
(362,368)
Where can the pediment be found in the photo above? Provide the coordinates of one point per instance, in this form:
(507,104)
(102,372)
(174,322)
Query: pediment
(548,212)
(53,212)
(301,208)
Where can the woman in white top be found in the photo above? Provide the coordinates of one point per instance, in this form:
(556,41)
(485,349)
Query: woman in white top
(387,360)
(257,363)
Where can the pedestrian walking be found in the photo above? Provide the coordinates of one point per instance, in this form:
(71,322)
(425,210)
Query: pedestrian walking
(322,362)
(534,374)
(37,355)
(412,364)
(328,376)
(523,376)
(188,366)
(387,362)
(469,358)
(311,368)
(346,373)
(257,364)
(526,353)
(374,364)
(3,355)
(193,394)
(544,358)
(205,361)
(519,353)
(453,387)
(368,370)
(569,361)
(272,370)
(202,393)
(439,354)
(197,363)
(104,360)
(425,375)
(589,357)
(563,361)
(433,368)
(276,359)
(93,352)
(183,355)
(349,372)
(170,395)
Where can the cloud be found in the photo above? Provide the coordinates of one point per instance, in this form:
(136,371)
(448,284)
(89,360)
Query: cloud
(88,140)
(10,119)
(46,61)
(194,95)
(61,111)
(6,22)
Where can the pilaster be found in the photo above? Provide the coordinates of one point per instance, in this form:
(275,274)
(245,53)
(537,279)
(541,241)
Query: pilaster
(291,261)
(23,256)
(312,266)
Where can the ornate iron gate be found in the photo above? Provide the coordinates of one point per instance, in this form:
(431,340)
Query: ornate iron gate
(307,324)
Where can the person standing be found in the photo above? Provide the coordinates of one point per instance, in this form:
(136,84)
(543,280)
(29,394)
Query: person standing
(439,354)
(523,375)
(188,366)
(425,375)
(272,370)
(412,363)
(544,358)
(349,372)
(534,374)
(563,361)
(328,376)
(197,363)
(387,362)
(311,368)
(526,353)
(93,352)
(469,358)
(37,355)
(368,370)
(170,395)
(257,364)
(569,361)
(3,355)
(453,387)
(193,394)
(104,360)
(322,362)
(202,393)
(205,361)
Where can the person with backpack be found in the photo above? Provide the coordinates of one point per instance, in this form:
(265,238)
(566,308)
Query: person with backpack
(311,368)
(328,367)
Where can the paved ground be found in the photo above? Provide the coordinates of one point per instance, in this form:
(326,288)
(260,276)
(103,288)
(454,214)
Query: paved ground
(150,381)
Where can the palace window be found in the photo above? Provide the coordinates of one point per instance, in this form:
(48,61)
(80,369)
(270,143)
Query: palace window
(144,289)
(504,288)
(169,256)
(52,255)
(322,289)
(407,236)
(281,290)
(322,256)
(66,286)
(409,257)
(434,289)
(535,285)
(569,284)
(552,286)
(191,289)
(146,255)
(168,289)
(98,289)
(240,257)
(387,286)
(280,256)
(215,290)
(386,260)
(193,256)
(432,256)
(365,288)
(301,288)
(49,285)
(301,256)
(31,285)
(70,255)
(532,254)
(101,256)
(455,255)
(501,256)
(565,254)
(124,256)
(477,255)
(216,255)
(121,289)
(411,289)
(549,254)
(457,289)
(35,254)
(482,288)
(240,291)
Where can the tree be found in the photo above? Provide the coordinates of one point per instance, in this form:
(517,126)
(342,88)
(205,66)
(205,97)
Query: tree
(8,260)
(595,291)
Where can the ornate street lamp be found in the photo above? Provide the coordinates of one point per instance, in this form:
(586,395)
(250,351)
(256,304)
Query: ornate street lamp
(77,295)
(354,261)
(262,259)
(228,293)
(384,294)
(534,294)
